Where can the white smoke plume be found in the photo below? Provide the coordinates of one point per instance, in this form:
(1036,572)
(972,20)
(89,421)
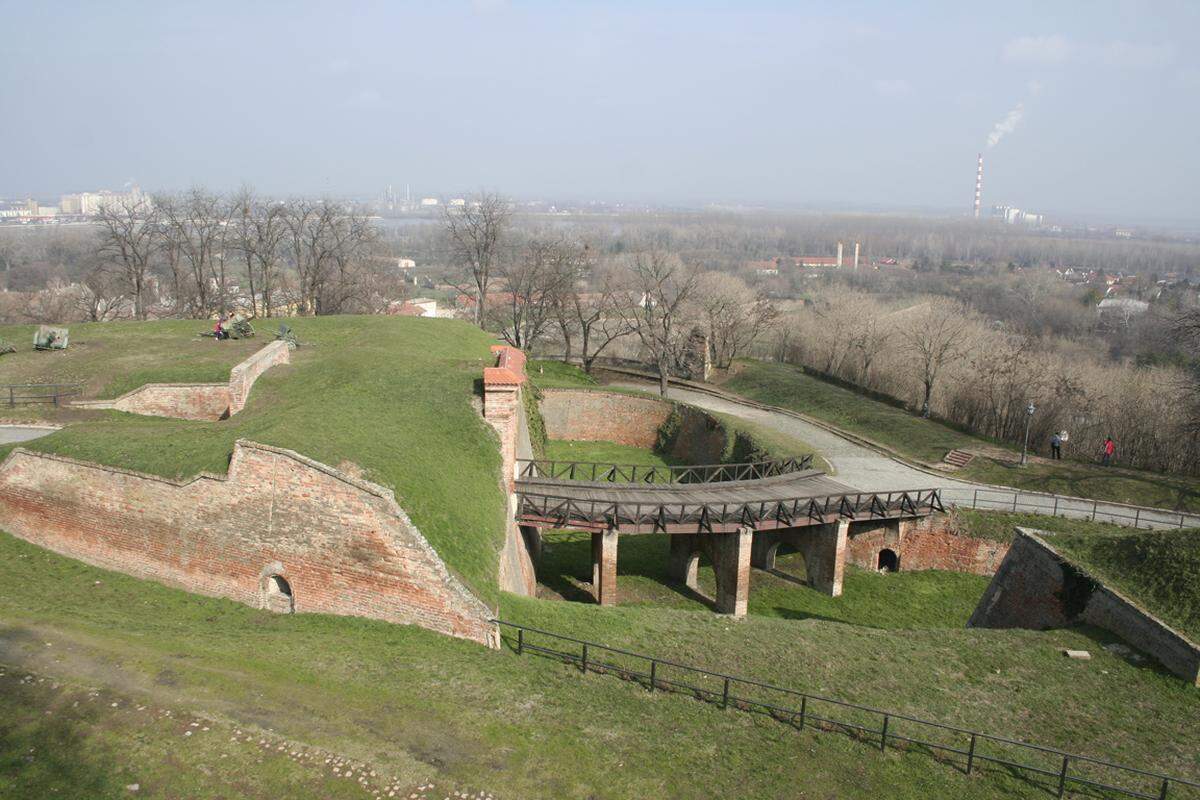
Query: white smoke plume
(1006,125)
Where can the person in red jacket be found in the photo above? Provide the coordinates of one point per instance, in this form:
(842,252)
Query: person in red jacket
(1109,449)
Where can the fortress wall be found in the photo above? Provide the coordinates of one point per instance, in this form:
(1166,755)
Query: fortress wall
(343,545)
(200,401)
(923,543)
(1037,587)
(596,416)
(243,376)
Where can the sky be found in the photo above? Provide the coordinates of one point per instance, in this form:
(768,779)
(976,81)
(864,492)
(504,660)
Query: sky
(839,106)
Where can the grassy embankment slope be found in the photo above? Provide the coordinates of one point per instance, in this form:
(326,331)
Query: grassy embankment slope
(1158,569)
(416,706)
(557,375)
(929,441)
(390,394)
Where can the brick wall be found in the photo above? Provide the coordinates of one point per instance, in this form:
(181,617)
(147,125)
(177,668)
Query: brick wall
(1037,587)
(204,401)
(930,542)
(592,416)
(343,545)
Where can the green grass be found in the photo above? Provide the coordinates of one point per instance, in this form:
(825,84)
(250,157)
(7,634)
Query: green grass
(112,358)
(930,599)
(1159,569)
(418,706)
(390,394)
(605,453)
(998,525)
(558,375)
(929,441)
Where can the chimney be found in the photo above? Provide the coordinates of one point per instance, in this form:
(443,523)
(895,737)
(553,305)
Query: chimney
(839,261)
(978,185)
(856,256)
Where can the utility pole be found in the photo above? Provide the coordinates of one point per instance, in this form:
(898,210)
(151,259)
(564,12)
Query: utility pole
(1028,419)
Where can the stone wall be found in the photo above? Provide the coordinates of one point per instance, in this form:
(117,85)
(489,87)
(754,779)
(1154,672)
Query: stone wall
(343,545)
(200,401)
(930,542)
(597,416)
(1037,587)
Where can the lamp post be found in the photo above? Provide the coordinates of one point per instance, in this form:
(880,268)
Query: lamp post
(1028,418)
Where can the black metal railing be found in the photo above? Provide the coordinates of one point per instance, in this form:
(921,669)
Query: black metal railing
(1016,501)
(567,512)
(14,394)
(604,472)
(878,727)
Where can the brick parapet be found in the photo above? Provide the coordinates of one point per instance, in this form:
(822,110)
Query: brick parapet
(344,544)
(198,401)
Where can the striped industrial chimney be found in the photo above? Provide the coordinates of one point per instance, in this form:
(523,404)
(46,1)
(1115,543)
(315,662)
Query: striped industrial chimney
(978,185)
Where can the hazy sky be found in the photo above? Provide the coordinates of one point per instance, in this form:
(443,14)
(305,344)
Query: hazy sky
(845,105)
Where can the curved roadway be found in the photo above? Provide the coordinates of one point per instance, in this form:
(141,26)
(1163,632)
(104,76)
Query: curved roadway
(11,434)
(871,471)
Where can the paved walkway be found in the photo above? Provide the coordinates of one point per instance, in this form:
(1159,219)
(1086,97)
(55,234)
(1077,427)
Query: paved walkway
(19,433)
(872,471)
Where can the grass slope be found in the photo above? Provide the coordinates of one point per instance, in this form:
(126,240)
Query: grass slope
(390,394)
(1159,569)
(929,441)
(419,707)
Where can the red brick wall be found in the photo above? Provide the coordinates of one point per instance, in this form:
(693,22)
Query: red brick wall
(343,544)
(589,416)
(206,401)
(926,543)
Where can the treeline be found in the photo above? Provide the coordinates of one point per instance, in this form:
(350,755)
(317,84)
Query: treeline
(939,356)
(198,254)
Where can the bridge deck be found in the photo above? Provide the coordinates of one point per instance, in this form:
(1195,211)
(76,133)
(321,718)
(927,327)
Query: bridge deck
(802,498)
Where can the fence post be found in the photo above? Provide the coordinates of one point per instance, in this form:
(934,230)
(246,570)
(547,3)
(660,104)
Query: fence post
(1014,502)
(584,662)
(653,673)
(1056,505)
(1095,504)
(1137,517)
(1162,794)
(971,755)
(803,709)
(520,641)
(975,500)
(1062,776)
(883,736)
(725,695)
(1181,520)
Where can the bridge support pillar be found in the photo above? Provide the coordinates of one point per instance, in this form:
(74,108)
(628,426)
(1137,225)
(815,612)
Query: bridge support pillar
(533,541)
(684,559)
(730,553)
(825,556)
(604,566)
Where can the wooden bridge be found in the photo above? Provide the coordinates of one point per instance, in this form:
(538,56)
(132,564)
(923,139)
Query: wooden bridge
(737,514)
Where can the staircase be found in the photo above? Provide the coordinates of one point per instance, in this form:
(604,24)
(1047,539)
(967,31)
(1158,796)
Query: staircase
(958,458)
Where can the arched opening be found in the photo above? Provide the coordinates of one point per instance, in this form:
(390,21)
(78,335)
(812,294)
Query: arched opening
(279,595)
(888,560)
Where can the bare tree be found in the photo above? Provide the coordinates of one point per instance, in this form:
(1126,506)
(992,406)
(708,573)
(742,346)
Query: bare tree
(259,230)
(533,282)
(128,237)
(476,233)
(735,316)
(592,311)
(935,334)
(655,306)
(194,227)
(100,296)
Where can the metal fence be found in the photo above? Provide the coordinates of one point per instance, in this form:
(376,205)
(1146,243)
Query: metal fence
(22,393)
(1015,501)
(603,472)
(970,751)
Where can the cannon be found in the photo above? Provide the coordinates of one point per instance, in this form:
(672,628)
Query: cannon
(50,338)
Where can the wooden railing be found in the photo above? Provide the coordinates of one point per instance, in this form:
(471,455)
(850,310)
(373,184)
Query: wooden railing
(602,472)
(14,394)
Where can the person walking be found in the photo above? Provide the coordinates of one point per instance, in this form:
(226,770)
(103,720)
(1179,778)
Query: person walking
(1109,449)
(1056,447)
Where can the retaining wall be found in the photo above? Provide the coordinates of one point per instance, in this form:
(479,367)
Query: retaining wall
(597,416)
(199,401)
(930,542)
(1037,587)
(343,544)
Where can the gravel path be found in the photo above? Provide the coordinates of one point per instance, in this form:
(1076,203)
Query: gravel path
(872,471)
